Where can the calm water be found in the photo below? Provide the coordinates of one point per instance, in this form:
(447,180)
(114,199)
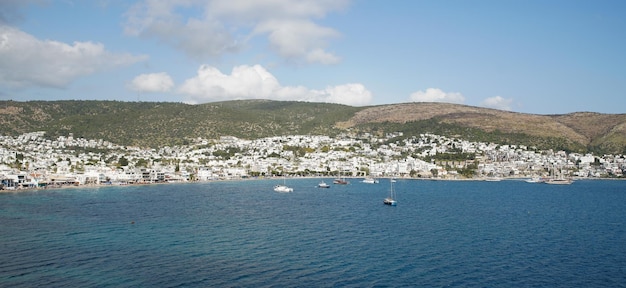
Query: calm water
(242,234)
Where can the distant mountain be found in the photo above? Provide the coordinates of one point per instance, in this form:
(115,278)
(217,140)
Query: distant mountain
(155,124)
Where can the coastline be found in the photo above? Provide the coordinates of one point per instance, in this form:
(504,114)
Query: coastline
(94,186)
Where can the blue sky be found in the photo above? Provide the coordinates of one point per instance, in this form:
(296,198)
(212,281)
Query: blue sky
(534,56)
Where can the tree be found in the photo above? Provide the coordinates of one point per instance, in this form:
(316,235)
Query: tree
(141,162)
(122,161)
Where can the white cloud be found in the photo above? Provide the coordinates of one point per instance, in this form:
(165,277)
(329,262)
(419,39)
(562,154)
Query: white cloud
(354,94)
(28,61)
(154,82)
(437,95)
(212,28)
(254,82)
(321,56)
(497,102)
(299,39)
(198,38)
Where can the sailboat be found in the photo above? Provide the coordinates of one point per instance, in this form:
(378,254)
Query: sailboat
(391,201)
(558,179)
(340,180)
(283,188)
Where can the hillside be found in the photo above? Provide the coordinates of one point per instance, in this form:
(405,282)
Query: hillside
(154,124)
(587,131)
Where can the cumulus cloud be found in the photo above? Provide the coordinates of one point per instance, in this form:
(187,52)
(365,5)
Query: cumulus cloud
(354,94)
(217,27)
(497,102)
(154,82)
(437,95)
(297,38)
(255,82)
(28,61)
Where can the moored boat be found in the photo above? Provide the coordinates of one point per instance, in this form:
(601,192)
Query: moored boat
(282,189)
(340,181)
(535,179)
(323,185)
(559,181)
(370,180)
(391,201)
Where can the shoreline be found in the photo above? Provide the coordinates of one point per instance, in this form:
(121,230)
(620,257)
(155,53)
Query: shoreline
(93,186)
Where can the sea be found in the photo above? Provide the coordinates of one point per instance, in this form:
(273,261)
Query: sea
(243,234)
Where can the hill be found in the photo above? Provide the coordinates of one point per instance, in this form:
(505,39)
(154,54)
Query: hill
(155,124)
(582,131)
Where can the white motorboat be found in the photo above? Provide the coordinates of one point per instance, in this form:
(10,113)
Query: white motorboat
(282,189)
(370,180)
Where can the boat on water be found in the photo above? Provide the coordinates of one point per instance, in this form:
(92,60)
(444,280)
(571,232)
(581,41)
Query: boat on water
(283,188)
(391,201)
(558,178)
(323,185)
(535,179)
(370,180)
(559,181)
(340,181)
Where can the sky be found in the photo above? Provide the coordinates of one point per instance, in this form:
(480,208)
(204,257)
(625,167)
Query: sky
(531,56)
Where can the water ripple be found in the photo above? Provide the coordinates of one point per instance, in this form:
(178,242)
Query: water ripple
(241,234)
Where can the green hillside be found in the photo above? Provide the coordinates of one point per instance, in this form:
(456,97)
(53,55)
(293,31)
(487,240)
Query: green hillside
(154,124)
(157,124)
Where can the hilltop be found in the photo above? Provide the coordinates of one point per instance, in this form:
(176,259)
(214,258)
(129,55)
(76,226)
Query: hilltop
(154,124)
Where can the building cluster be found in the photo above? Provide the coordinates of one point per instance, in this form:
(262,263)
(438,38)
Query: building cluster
(32,160)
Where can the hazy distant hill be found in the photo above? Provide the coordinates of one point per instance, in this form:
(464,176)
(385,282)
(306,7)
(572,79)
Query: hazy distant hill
(154,124)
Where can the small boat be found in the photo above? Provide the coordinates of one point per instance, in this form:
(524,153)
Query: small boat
(323,185)
(370,180)
(559,181)
(534,179)
(283,188)
(340,181)
(391,201)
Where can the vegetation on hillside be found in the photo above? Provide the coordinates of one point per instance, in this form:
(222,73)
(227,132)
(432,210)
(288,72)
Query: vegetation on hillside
(437,127)
(157,124)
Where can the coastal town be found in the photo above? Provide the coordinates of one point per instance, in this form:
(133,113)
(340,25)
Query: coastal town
(34,161)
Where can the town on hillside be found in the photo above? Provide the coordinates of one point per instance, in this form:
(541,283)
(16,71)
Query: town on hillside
(32,161)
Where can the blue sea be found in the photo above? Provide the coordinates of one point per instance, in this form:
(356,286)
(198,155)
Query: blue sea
(243,234)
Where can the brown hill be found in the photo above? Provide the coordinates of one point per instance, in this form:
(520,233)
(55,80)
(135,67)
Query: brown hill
(585,128)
